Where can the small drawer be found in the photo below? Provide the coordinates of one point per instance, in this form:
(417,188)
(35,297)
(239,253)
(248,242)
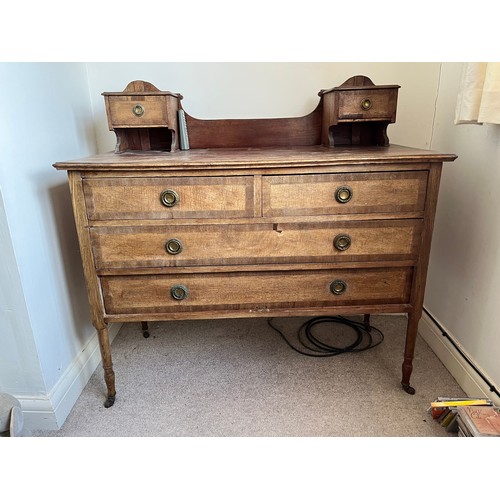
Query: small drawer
(323,194)
(255,291)
(366,104)
(169,198)
(134,111)
(118,247)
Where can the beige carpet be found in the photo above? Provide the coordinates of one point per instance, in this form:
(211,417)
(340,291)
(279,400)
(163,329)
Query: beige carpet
(239,378)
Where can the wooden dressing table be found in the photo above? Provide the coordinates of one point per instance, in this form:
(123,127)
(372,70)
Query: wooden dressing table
(303,216)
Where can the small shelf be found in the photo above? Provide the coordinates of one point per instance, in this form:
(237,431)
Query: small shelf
(356,113)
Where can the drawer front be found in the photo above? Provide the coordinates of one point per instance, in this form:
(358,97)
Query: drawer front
(367,104)
(169,198)
(129,112)
(159,246)
(287,195)
(255,291)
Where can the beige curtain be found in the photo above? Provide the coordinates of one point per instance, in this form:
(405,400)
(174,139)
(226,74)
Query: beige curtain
(479,95)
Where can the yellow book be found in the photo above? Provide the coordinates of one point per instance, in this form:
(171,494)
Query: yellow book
(468,402)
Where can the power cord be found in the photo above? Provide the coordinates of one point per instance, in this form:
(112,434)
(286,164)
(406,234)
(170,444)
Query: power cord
(318,349)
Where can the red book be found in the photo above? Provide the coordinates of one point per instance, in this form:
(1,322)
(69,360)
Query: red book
(485,420)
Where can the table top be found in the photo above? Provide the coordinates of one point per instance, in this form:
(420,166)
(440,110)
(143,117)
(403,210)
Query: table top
(254,157)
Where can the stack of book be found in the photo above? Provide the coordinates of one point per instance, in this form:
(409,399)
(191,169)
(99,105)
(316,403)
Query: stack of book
(446,411)
(478,421)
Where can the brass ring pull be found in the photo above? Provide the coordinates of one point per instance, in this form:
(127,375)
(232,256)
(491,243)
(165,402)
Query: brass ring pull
(338,287)
(366,104)
(343,194)
(173,246)
(342,242)
(169,197)
(138,110)
(179,292)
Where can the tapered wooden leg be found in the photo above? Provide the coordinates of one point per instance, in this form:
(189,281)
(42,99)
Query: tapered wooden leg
(411,337)
(107,364)
(366,320)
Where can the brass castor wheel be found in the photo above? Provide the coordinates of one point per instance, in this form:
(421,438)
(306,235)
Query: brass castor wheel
(408,388)
(109,402)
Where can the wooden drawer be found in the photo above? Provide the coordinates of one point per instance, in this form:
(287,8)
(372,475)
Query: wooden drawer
(146,246)
(255,291)
(188,197)
(366,104)
(146,111)
(288,195)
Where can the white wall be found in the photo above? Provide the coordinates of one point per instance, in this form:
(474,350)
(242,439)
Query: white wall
(263,90)
(463,287)
(47,117)
(20,370)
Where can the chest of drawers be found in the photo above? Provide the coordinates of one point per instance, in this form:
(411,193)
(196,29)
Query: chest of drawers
(255,232)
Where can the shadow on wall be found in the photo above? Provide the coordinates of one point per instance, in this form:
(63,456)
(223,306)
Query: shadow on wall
(60,199)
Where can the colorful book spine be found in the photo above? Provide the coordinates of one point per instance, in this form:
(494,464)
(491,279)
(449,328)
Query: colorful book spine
(463,402)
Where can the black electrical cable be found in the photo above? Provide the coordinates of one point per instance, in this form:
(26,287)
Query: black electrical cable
(318,349)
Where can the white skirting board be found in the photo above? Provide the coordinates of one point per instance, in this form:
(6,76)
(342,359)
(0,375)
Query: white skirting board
(471,383)
(48,412)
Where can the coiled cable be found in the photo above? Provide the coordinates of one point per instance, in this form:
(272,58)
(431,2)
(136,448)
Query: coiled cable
(367,337)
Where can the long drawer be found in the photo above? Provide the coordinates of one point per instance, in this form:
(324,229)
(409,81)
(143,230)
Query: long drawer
(184,245)
(169,198)
(255,290)
(322,194)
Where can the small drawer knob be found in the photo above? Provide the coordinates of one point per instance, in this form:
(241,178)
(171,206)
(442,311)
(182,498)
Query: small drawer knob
(366,104)
(169,197)
(173,246)
(179,292)
(138,110)
(338,287)
(342,242)
(343,194)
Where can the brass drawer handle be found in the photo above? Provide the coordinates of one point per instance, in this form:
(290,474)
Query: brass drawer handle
(342,242)
(366,104)
(179,292)
(169,197)
(138,110)
(343,194)
(338,287)
(173,246)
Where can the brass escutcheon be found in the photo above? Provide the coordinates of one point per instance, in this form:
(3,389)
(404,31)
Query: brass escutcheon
(338,287)
(138,110)
(173,246)
(366,104)
(169,197)
(343,194)
(342,242)
(179,292)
